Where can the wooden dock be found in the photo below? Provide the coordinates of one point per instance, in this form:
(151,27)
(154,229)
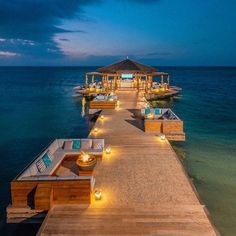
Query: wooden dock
(145,190)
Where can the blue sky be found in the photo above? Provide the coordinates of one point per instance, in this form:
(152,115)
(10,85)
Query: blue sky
(98,32)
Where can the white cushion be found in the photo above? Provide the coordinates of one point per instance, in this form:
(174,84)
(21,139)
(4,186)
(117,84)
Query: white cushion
(40,165)
(86,144)
(98,143)
(68,145)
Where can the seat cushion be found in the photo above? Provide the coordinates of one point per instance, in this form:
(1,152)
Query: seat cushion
(86,144)
(76,144)
(40,165)
(47,160)
(157,111)
(58,158)
(98,144)
(147,111)
(68,144)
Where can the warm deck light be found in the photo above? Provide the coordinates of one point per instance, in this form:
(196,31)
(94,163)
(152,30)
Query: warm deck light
(108,150)
(102,117)
(95,130)
(163,137)
(118,105)
(150,116)
(98,195)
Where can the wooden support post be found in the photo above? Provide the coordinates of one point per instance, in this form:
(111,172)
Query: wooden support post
(86,81)
(137,79)
(146,84)
(168,79)
(92,79)
(162,80)
(116,82)
(151,79)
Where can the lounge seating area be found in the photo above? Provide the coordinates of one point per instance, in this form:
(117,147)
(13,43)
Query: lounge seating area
(93,89)
(159,88)
(159,113)
(40,185)
(163,121)
(51,158)
(104,102)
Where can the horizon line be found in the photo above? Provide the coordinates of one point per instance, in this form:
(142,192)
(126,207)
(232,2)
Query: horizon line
(213,66)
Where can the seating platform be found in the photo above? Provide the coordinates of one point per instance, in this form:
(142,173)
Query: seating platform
(104,102)
(163,121)
(51,179)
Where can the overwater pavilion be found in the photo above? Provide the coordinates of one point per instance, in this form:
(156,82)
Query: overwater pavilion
(127,75)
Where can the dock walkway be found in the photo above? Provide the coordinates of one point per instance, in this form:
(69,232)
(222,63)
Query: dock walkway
(145,190)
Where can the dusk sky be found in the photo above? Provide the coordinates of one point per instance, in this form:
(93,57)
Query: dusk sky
(99,32)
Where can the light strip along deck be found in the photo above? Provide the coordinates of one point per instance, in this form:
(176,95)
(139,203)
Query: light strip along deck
(145,190)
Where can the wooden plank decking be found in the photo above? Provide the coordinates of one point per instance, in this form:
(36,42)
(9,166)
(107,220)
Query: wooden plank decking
(145,190)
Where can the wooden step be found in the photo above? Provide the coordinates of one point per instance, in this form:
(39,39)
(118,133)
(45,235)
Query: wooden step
(24,215)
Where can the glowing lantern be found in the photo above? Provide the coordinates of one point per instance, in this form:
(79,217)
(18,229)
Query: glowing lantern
(150,116)
(163,137)
(98,195)
(108,150)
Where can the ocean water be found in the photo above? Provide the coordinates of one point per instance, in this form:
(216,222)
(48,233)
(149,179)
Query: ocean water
(38,105)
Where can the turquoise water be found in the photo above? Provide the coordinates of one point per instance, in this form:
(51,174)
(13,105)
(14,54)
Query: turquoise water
(38,105)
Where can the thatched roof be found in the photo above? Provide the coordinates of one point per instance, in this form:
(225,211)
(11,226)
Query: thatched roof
(127,66)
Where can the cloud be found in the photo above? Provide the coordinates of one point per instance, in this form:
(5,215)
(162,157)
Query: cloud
(65,40)
(8,54)
(29,26)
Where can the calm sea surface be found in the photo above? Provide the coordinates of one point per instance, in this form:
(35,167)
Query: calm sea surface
(38,105)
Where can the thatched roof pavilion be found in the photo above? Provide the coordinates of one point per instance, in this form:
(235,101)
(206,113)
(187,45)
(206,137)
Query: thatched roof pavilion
(127,66)
(127,74)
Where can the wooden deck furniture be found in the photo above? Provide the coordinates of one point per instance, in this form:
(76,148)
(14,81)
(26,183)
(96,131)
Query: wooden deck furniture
(168,124)
(102,105)
(38,188)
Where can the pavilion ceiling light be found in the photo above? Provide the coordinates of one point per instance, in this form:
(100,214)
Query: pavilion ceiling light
(95,130)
